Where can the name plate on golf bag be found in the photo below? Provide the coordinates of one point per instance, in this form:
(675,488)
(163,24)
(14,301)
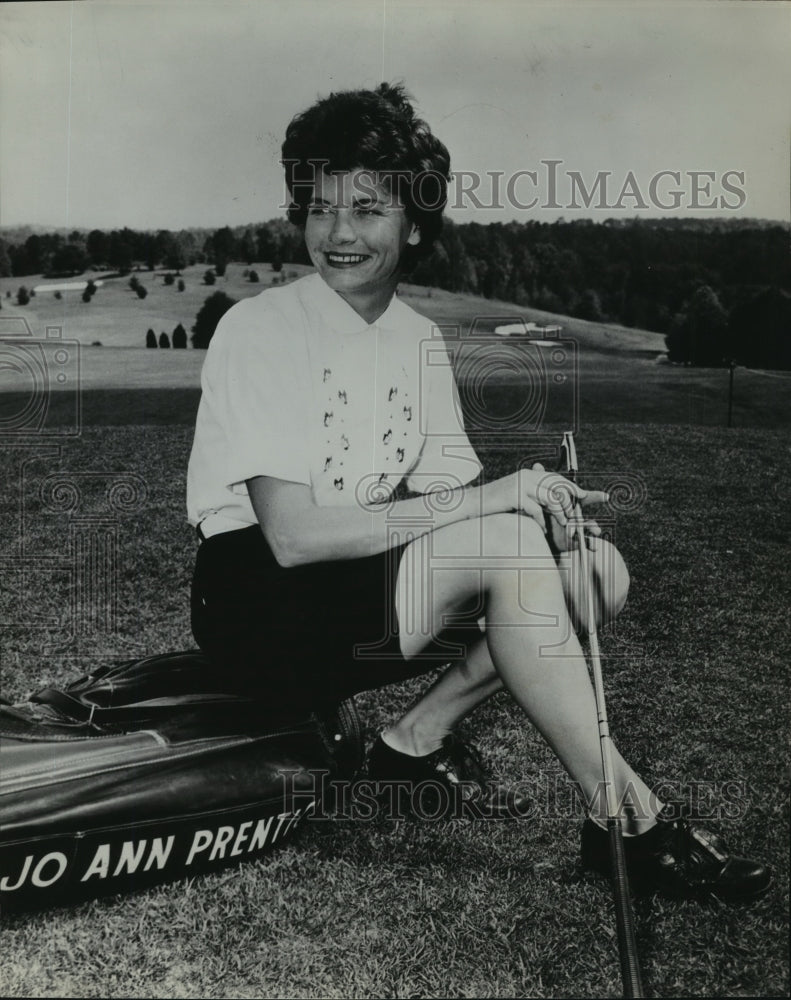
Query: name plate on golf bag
(146,771)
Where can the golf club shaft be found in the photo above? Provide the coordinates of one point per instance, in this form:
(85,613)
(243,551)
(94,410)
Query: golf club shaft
(624,915)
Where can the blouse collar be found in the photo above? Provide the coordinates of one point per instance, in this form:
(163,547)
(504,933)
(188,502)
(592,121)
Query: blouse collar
(338,314)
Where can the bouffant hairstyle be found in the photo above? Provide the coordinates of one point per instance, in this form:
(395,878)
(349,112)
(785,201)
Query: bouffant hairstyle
(375,130)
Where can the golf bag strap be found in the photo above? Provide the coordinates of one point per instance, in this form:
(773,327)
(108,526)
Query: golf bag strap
(90,714)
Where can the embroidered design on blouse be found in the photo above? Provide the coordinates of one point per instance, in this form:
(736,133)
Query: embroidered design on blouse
(327,462)
(344,442)
(408,413)
(342,396)
(387,436)
(327,418)
(393,393)
(400,454)
(327,374)
(338,483)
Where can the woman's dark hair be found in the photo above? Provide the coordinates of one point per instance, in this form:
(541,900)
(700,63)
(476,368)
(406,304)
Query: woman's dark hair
(375,130)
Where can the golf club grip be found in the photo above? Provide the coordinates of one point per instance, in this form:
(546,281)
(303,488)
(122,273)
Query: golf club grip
(624,917)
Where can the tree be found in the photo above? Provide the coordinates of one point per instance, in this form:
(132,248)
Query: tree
(164,340)
(120,252)
(589,306)
(39,250)
(141,292)
(223,247)
(164,244)
(253,276)
(547,300)
(181,286)
(151,338)
(69,259)
(98,246)
(20,262)
(169,279)
(249,246)
(209,277)
(22,296)
(458,272)
(5,261)
(277,264)
(268,245)
(209,315)
(699,333)
(188,246)
(134,282)
(179,336)
(176,259)
(759,330)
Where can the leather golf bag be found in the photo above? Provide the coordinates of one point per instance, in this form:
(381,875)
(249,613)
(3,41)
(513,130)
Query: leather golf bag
(147,771)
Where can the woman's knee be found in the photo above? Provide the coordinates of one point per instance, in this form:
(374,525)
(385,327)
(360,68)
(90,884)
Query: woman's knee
(512,535)
(610,579)
(453,568)
(615,586)
(495,536)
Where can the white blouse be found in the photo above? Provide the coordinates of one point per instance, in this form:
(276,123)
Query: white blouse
(297,386)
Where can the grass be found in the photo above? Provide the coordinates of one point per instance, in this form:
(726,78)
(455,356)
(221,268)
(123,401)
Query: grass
(118,318)
(696,671)
(115,316)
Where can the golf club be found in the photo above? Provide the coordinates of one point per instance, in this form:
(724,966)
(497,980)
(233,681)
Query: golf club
(627,945)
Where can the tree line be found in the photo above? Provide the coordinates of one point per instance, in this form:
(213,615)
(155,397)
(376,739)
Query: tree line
(63,255)
(719,289)
(691,279)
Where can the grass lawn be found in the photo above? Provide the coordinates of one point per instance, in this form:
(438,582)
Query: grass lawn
(115,316)
(695,668)
(696,672)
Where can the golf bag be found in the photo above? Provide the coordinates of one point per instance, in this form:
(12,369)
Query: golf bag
(148,771)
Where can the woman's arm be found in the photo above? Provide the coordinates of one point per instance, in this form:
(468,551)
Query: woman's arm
(299,532)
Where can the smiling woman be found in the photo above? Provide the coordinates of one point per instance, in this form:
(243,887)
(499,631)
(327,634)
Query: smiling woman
(326,400)
(356,233)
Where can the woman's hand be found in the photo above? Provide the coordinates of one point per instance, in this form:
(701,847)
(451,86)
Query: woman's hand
(552,500)
(563,528)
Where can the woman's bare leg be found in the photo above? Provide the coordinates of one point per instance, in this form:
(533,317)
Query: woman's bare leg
(467,683)
(459,691)
(536,653)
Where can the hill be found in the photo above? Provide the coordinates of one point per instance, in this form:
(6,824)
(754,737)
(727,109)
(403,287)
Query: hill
(607,373)
(117,317)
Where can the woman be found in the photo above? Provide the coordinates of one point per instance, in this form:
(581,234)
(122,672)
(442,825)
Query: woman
(326,403)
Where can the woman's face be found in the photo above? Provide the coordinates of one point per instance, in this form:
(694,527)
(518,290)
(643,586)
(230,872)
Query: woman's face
(355,233)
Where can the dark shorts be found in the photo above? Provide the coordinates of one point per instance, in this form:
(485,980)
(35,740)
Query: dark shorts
(305,636)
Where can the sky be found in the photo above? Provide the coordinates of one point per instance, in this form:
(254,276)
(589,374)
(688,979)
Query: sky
(170,114)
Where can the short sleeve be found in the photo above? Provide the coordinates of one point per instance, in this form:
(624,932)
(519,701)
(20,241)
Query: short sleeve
(253,390)
(447,459)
